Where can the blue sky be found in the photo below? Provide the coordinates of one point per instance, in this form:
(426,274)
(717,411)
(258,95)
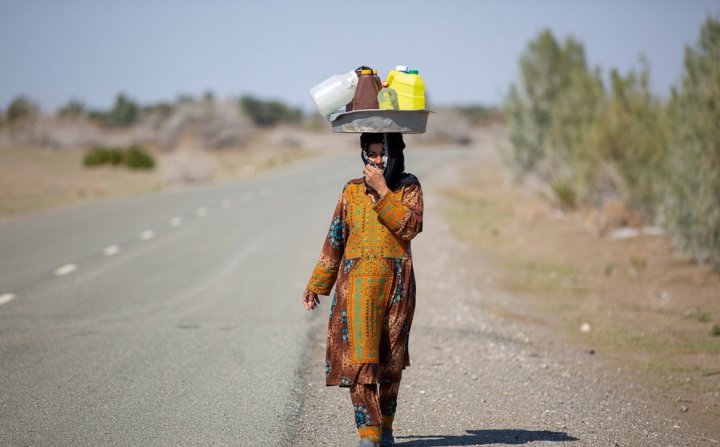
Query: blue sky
(466,51)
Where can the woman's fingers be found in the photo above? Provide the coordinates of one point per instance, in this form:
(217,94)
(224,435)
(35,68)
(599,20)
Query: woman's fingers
(310,300)
(375,180)
(373,175)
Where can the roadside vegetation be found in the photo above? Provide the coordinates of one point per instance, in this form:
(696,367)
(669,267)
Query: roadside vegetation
(594,141)
(126,111)
(269,113)
(134,157)
(51,159)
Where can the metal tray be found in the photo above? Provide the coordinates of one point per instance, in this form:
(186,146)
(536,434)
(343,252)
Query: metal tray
(380,121)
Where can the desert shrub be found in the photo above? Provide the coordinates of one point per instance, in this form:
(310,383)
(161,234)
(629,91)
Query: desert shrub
(573,113)
(692,197)
(268,113)
(552,108)
(624,155)
(565,193)
(72,110)
(528,104)
(136,157)
(115,156)
(480,114)
(125,112)
(20,109)
(99,155)
(592,145)
(715,330)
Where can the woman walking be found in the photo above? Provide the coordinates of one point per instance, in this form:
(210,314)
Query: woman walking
(367,256)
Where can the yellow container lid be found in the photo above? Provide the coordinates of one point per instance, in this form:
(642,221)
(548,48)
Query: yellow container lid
(368,72)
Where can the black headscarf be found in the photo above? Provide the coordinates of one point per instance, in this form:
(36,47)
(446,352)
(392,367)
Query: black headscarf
(393,157)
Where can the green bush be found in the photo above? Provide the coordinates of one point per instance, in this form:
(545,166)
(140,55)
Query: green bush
(97,156)
(528,105)
(591,145)
(550,112)
(269,113)
(20,109)
(624,155)
(692,197)
(715,330)
(135,157)
(125,112)
(588,144)
(115,156)
(564,193)
(72,110)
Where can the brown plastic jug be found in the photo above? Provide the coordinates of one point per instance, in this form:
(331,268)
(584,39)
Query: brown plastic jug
(367,90)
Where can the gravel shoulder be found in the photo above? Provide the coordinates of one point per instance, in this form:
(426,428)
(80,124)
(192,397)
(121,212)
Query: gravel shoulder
(481,376)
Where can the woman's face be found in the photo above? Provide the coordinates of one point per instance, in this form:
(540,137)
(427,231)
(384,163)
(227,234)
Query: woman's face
(374,153)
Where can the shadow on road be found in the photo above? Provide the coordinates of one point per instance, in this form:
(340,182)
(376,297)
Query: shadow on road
(485,437)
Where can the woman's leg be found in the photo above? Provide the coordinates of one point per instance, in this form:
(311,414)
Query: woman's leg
(388,403)
(367,410)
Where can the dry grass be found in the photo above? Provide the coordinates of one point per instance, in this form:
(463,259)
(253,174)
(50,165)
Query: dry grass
(647,306)
(33,179)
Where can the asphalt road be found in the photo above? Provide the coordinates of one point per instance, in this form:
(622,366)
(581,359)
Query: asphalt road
(170,319)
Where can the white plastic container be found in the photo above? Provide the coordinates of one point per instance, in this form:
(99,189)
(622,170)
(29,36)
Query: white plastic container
(334,92)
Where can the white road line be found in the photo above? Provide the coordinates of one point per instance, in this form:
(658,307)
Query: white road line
(65,269)
(176,221)
(201,212)
(147,235)
(226,204)
(6,298)
(111,250)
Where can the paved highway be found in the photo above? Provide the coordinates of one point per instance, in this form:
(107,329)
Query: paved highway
(169,319)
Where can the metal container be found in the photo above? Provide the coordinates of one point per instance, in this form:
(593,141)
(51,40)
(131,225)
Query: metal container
(380,121)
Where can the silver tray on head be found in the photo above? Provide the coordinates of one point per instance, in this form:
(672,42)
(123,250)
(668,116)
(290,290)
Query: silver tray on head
(380,121)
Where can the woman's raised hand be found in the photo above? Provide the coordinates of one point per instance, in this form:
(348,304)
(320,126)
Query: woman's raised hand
(375,180)
(310,299)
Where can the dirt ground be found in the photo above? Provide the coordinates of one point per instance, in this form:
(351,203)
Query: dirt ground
(533,328)
(33,179)
(636,299)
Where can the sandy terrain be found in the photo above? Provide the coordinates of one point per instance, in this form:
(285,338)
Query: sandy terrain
(33,179)
(636,299)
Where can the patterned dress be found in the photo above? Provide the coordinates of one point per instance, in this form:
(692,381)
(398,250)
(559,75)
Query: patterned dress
(367,256)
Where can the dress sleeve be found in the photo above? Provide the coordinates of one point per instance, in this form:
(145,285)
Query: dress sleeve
(403,216)
(325,273)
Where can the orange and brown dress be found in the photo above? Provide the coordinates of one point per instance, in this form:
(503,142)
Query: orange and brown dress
(367,256)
